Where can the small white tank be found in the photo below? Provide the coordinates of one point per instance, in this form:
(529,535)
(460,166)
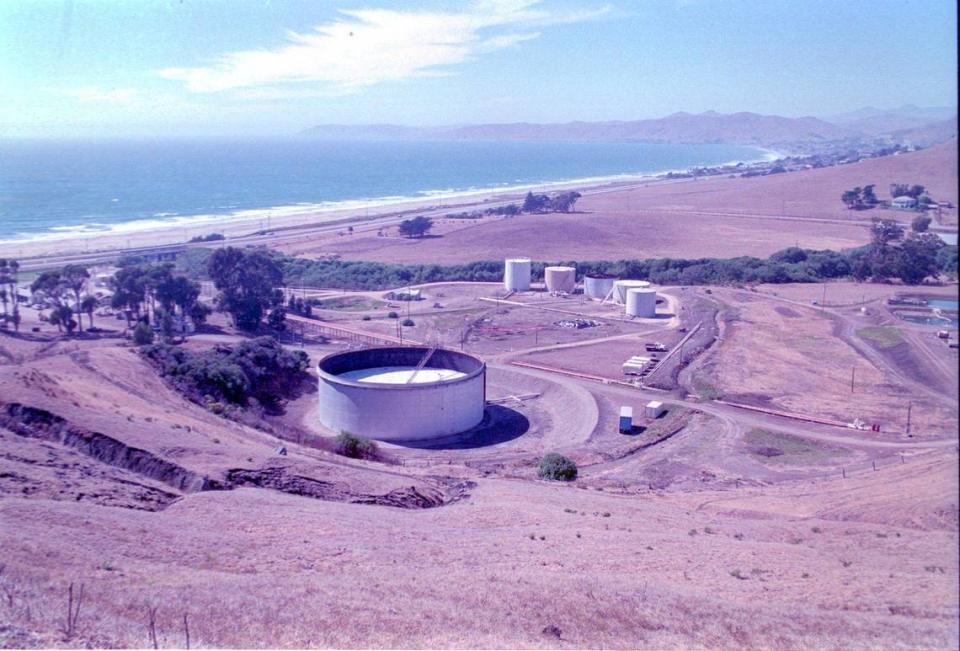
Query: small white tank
(560,279)
(642,302)
(516,274)
(621,287)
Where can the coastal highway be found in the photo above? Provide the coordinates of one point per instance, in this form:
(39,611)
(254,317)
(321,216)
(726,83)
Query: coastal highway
(298,233)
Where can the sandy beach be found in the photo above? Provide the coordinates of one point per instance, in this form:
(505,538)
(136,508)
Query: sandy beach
(623,217)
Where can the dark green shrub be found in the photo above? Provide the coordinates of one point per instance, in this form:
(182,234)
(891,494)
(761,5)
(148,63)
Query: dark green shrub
(393,315)
(557,467)
(259,369)
(408,323)
(355,447)
(142,334)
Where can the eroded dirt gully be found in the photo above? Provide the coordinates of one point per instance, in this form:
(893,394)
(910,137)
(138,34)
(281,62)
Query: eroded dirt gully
(44,426)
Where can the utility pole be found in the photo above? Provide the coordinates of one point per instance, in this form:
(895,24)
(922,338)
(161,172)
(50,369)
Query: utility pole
(853,375)
(909,409)
(823,301)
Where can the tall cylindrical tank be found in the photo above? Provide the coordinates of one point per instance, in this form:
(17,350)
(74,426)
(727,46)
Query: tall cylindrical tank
(642,302)
(560,279)
(516,274)
(598,286)
(621,287)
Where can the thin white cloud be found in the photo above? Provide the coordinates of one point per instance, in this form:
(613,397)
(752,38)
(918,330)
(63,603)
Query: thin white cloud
(372,46)
(97,94)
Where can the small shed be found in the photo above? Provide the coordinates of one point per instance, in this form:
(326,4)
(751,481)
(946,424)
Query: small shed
(903,202)
(626,419)
(654,409)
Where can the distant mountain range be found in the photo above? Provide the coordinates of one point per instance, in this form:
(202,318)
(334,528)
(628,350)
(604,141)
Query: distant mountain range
(710,127)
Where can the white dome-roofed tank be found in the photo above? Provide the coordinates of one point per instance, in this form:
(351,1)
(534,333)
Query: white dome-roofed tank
(621,287)
(401,393)
(598,286)
(516,274)
(642,302)
(560,279)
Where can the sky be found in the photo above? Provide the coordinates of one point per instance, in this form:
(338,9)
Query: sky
(100,68)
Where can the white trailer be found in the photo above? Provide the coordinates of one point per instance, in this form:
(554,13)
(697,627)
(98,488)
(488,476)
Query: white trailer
(635,365)
(654,409)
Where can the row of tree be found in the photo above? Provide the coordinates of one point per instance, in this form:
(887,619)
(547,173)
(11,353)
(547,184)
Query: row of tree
(58,288)
(861,198)
(791,265)
(154,293)
(541,203)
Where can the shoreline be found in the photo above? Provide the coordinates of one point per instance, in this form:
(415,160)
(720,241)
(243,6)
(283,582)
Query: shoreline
(263,221)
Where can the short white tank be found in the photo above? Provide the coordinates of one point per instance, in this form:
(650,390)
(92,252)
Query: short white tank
(642,302)
(560,279)
(621,287)
(516,274)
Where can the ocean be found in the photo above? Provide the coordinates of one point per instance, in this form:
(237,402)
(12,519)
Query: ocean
(63,189)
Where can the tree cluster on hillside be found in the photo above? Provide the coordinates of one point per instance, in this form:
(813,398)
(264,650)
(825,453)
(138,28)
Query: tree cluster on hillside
(541,203)
(155,294)
(860,198)
(415,227)
(9,288)
(259,369)
(906,190)
(249,284)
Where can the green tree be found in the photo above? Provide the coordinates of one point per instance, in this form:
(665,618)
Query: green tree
(75,278)
(9,270)
(564,201)
(851,198)
(920,223)
(62,315)
(88,305)
(142,334)
(535,202)
(249,284)
(416,227)
(918,258)
(869,195)
(277,319)
(557,467)
(899,190)
(129,286)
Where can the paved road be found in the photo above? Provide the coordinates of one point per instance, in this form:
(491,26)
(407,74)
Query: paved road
(742,418)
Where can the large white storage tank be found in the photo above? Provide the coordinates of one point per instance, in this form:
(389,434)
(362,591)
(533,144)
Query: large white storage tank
(401,393)
(621,287)
(598,286)
(560,279)
(516,274)
(642,302)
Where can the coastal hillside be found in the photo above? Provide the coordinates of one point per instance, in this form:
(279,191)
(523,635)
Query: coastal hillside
(742,128)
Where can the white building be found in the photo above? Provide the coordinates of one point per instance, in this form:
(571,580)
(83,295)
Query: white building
(903,202)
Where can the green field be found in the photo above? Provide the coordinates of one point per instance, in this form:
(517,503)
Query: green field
(881,336)
(785,449)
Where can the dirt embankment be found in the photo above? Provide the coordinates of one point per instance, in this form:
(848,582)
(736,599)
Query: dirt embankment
(36,423)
